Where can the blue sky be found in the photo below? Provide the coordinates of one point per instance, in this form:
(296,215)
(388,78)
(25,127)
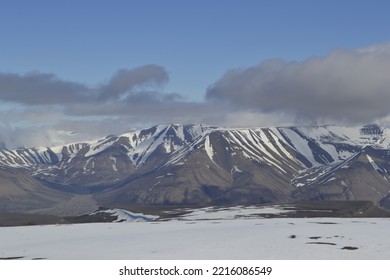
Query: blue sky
(196,42)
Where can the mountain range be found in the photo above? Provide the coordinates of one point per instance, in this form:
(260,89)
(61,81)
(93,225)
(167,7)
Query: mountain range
(199,165)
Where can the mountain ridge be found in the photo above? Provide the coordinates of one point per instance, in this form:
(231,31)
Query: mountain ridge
(200,164)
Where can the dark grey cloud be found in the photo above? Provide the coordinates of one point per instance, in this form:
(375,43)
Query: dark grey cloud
(350,86)
(125,81)
(132,85)
(39,89)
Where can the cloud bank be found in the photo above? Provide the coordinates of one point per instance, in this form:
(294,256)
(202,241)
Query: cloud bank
(343,87)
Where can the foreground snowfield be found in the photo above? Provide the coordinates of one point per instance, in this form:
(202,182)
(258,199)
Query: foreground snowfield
(256,238)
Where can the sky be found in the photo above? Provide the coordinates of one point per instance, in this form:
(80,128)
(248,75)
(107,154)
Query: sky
(79,70)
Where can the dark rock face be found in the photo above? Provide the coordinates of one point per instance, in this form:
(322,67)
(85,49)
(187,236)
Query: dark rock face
(199,165)
(371,129)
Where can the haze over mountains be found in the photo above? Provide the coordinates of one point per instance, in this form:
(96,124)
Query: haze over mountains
(199,165)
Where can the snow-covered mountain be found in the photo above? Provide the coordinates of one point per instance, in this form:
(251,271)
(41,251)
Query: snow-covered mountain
(199,164)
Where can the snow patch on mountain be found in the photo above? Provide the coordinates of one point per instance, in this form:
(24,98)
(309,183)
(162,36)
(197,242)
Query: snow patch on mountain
(373,163)
(235,170)
(209,148)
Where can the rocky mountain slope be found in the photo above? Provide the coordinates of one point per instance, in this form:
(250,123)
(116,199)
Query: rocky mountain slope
(198,164)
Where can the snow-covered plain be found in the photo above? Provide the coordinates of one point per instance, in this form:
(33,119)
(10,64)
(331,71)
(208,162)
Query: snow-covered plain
(222,237)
